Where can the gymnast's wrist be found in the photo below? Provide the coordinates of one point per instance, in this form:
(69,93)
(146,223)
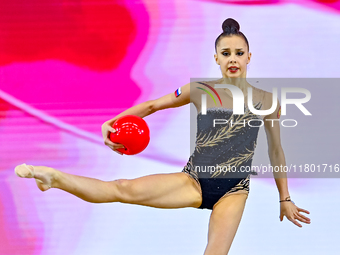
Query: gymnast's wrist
(286,199)
(283,195)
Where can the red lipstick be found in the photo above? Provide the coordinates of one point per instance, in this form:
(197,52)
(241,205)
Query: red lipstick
(233,69)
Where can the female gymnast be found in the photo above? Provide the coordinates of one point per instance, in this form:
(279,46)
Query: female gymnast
(225,193)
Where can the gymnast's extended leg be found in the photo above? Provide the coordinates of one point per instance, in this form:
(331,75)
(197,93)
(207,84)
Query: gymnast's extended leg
(224,221)
(173,190)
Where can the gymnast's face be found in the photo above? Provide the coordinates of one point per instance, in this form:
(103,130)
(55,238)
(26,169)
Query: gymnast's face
(232,51)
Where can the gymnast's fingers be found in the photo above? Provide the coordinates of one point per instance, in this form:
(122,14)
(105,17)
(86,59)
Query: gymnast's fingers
(302,219)
(108,142)
(307,220)
(294,221)
(303,210)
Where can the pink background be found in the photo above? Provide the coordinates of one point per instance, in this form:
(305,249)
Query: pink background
(68,66)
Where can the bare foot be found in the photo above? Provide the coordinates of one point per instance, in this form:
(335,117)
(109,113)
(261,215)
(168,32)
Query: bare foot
(44,176)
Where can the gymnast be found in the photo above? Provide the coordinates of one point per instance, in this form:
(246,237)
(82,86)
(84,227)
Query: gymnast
(223,192)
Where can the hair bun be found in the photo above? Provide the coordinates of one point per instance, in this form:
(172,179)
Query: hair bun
(230,26)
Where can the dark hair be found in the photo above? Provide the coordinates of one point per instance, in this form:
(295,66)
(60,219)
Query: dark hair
(230,27)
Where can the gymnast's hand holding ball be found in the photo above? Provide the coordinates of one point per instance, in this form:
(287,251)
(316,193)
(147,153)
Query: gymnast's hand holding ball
(128,135)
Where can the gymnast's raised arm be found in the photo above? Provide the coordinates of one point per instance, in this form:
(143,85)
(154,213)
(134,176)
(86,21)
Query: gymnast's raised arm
(144,109)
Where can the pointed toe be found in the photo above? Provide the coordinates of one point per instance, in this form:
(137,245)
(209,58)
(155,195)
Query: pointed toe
(24,171)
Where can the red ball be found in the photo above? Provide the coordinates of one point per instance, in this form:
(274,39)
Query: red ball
(132,132)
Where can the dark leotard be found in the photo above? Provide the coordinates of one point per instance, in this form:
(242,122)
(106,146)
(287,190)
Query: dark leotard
(221,148)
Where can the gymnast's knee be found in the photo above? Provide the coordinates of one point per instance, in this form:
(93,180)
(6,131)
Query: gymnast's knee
(125,190)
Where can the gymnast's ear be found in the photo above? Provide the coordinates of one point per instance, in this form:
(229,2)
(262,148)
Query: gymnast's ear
(216,59)
(249,57)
